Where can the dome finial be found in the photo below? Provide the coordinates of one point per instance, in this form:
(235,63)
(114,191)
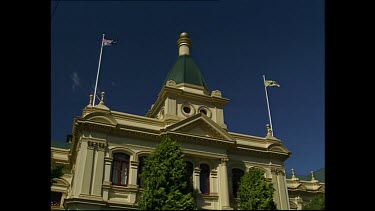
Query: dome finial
(312,177)
(102,100)
(90,101)
(184,44)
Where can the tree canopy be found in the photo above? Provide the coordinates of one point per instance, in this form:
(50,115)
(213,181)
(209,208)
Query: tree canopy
(255,192)
(164,179)
(316,203)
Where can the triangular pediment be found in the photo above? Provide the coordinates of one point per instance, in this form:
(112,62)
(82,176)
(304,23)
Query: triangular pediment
(201,125)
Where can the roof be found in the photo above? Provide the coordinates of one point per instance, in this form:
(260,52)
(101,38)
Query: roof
(60,144)
(186,71)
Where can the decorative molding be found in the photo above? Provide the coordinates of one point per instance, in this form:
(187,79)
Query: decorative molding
(216,93)
(224,160)
(171,83)
(277,171)
(96,145)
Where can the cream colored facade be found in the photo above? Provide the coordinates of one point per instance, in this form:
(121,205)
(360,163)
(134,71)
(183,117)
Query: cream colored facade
(187,113)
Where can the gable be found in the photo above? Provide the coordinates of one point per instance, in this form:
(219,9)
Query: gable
(199,130)
(200,125)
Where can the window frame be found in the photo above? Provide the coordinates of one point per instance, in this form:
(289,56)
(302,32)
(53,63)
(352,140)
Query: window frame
(207,178)
(126,161)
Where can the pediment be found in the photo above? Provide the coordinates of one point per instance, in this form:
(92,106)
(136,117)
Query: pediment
(201,125)
(101,117)
(278,148)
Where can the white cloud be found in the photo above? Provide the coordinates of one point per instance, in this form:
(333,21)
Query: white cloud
(75,79)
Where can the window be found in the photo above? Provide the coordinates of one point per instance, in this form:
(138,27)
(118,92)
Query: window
(120,169)
(236,177)
(140,168)
(55,198)
(204,179)
(189,175)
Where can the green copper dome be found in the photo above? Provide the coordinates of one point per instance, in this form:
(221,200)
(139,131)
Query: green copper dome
(186,71)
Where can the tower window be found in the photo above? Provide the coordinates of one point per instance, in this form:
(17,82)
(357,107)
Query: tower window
(186,109)
(203,112)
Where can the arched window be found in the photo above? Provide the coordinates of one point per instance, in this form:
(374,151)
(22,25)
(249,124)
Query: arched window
(189,175)
(236,177)
(120,169)
(204,179)
(140,168)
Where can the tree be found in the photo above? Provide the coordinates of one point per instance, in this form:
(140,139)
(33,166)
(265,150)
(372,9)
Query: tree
(316,203)
(56,172)
(165,184)
(255,192)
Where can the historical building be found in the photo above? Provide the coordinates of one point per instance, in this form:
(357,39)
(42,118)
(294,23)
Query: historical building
(108,147)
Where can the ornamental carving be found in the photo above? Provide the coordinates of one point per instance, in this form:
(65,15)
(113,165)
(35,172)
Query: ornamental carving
(224,160)
(98,145)
(277,171)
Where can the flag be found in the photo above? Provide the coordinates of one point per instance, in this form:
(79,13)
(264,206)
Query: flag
(268,83)
(108,42)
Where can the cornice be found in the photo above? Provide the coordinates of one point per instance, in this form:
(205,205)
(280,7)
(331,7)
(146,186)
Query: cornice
(201,140)
(139,119)
(168,91)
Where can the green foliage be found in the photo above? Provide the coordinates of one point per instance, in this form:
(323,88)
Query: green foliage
(56,172)
(255,192)
(165,184)
(316,203)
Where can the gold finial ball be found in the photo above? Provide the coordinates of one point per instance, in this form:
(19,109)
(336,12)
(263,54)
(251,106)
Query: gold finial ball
(184,34)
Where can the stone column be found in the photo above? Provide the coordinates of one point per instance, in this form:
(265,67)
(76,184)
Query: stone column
(79,167)
(107,180)
(224,190)
(196,180)
(87,170)
(281,194)
(98,171)
(133,171)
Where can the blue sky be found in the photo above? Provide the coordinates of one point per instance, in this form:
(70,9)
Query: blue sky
(233,43)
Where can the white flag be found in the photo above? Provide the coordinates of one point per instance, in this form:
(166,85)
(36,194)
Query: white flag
(108,42)
(268,83)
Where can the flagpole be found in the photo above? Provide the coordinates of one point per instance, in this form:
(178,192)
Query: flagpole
(97,75)
(268,105)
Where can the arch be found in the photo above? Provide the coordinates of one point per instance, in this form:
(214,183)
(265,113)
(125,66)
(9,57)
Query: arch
(141,154)
(236,164)
(122,150)
(210,163)
(101,117)
(276,147)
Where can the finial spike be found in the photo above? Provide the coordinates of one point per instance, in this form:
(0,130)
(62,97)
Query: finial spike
(102,99)
(90,102)
(312,176)
(184,44)
(269,131)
